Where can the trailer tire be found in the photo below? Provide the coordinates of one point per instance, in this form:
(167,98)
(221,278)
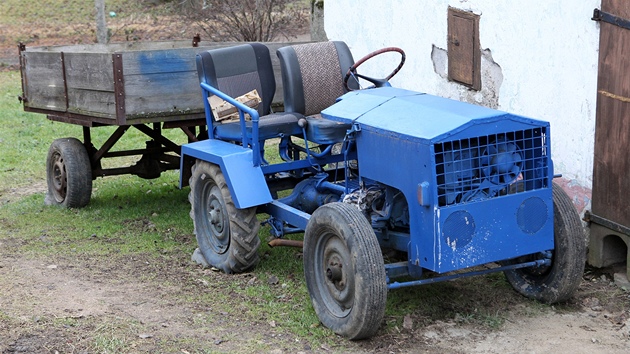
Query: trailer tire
(561,279)
(68,174)
(344,271)
(227,236)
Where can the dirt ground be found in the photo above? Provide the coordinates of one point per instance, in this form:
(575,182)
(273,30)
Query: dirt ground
(84,305)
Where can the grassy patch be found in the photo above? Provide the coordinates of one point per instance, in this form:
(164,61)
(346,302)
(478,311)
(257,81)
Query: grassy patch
(62,18)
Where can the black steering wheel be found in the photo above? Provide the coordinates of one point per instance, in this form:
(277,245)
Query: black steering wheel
(377,82)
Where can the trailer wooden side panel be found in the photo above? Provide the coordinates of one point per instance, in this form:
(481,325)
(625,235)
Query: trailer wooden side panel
(161,83)
(90,84)
(121,83)
(44,86)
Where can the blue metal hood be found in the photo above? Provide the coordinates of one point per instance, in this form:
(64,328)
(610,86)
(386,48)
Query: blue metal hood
(413,115)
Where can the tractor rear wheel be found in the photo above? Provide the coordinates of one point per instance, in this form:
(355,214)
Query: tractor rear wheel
(227,236)
(344,271)
(561,279)
(68,174)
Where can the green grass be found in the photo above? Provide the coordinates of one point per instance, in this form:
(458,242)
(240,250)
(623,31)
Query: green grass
(73,21)
(57,12)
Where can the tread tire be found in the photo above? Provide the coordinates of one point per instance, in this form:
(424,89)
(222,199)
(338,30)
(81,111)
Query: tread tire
(560,280)
(352,303)
(231,242)
(68,174)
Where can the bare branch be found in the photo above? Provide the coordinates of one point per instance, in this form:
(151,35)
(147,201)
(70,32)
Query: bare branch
(247,20)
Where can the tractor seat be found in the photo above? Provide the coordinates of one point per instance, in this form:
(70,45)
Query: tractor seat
(235,71)
(312,79)
(270,126)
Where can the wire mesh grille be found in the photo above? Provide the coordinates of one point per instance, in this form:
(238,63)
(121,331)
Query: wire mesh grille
(491,166)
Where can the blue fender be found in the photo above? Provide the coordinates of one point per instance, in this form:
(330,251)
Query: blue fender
(246,182)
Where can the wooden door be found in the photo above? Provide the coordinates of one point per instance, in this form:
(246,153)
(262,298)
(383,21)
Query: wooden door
(611,168)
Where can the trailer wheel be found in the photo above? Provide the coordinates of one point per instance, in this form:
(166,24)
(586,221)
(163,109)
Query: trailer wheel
(344,271)
(68,174)
(561,279)
(227,236)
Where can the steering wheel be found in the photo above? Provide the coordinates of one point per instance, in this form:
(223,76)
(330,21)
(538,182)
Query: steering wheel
(377,82)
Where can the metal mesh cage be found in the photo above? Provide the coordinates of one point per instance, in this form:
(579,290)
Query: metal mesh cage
(491,166)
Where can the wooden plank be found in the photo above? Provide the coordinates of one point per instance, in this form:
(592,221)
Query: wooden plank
(160,79)
(89,102)
(116,47)
(464,55)
(44,82)
(612,128)
(162,94)
(89,71)
(160,61)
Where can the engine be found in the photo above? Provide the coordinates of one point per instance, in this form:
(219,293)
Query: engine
(479,168)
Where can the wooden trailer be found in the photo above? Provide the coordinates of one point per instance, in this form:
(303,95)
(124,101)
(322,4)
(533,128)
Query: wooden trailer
(148,86)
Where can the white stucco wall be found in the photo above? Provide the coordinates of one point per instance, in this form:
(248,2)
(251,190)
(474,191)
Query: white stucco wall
(546,51)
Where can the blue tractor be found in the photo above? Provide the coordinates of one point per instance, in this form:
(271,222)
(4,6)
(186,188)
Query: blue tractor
(457,189)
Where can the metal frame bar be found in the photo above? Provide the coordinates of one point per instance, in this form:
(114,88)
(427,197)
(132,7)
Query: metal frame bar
(397,269)
(242,109)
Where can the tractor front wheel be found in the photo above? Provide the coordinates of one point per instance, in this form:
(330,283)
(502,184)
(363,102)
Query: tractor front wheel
(227,236)
(68,174)
(558,281)
(344,271)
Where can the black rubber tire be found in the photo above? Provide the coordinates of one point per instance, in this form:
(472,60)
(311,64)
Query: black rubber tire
(559,281)
(344,271)
(227,236)
(68,174)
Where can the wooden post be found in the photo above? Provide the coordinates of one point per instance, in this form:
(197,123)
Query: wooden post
(101,26)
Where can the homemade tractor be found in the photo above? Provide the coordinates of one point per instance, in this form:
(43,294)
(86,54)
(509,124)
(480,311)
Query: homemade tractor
(449,185)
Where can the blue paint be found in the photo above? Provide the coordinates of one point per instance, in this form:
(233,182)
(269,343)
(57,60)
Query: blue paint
(246,182)
(468,185)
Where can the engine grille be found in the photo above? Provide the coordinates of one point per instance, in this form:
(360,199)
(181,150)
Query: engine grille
(491,166)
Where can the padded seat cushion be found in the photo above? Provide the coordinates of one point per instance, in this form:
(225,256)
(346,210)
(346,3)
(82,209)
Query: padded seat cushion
(325,131)
(269,126)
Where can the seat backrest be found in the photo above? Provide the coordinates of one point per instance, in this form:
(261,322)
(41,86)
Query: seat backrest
(239,69)
(312,75)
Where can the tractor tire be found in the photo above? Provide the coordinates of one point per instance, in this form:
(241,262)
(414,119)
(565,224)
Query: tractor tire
(68,174)
(344,271)
(227,236)
(557,282)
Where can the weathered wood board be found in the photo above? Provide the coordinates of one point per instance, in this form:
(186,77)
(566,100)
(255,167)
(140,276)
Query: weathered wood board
(120,83)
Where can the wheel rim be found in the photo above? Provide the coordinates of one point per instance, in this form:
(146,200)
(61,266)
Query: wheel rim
(59,178)
(216,225)
(334,274)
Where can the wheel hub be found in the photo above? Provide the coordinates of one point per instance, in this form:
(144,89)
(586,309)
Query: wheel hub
(336,275)
(60,180)
(216,221)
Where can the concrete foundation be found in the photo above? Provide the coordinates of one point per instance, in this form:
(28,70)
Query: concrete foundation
(608,247)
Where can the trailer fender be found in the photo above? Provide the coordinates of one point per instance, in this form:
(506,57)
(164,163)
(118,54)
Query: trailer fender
(246,182)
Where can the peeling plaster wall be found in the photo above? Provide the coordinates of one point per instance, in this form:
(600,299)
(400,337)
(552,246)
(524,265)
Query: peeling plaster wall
(539,59)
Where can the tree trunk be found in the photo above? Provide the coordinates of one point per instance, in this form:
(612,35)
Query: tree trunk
(101,26)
